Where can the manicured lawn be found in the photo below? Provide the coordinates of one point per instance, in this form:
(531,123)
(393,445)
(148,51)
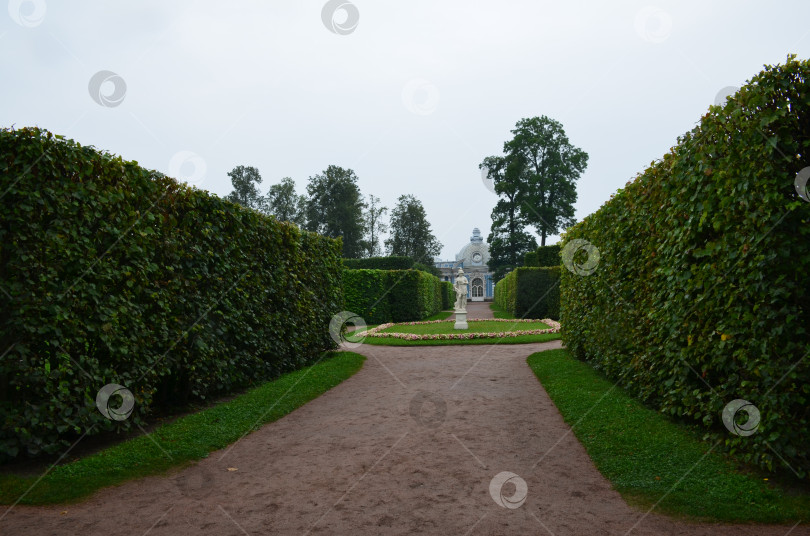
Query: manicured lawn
(441,315)
(187,439)
(477,326)
(497,312)
(522,339)
(652,460)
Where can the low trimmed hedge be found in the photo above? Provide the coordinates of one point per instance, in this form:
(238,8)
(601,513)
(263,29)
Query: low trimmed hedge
(112,273)
(528,292)
(380,296)
(379,263)
(702,295)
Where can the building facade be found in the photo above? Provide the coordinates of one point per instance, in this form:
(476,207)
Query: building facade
(474,259)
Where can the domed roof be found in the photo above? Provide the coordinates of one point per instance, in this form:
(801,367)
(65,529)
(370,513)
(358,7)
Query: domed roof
(476,253)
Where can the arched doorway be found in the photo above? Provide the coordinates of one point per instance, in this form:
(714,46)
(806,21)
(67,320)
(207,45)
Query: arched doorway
(477,289)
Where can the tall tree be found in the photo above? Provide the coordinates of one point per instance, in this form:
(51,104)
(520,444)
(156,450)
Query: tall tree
(283,203)
(508,239)
(245,190)
(374,226)
(335,208)
(410,232)
(551,168)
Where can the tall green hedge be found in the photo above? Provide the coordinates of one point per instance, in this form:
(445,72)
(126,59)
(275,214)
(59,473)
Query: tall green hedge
(549,255)
(380,296)
(530,259)
(701,294)
(112,273)
(448,295)
(528,292)
(379,263)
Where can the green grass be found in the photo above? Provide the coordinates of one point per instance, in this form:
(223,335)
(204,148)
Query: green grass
(475,326)
(187,439)
(498,312)
(649,458)
(441,315)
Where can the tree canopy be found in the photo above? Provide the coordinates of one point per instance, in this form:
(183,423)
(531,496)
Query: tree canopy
(283,203)
(245,190)
(410,234)
(335,208)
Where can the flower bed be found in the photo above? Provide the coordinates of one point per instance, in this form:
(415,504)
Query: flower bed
(378,333)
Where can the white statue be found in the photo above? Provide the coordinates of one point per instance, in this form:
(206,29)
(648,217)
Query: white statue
(460,286)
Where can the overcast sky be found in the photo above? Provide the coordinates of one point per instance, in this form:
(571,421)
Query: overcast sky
(410,95)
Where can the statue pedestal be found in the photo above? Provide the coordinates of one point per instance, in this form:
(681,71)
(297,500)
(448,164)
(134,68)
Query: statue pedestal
(461,320)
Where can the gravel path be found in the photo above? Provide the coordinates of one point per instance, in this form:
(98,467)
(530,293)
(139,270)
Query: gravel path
(409,445)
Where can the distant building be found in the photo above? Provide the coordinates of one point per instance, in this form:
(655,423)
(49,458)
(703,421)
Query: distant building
(474,259)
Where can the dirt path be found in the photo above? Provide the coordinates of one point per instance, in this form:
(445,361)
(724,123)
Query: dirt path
(409,445)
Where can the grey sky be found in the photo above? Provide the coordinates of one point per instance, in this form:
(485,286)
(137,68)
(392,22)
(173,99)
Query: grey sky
(413,98)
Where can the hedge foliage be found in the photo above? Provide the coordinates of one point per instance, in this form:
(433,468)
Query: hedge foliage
(448,295)
(380,296)
(379,263)
(549,255)
(529,292)
(530,259)
(702,295)
(112,273)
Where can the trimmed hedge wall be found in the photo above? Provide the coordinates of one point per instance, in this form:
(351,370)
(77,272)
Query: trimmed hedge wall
(379,263)
(112,273)
(380,296)
(549,255)
(530,259)
(528,292)
(702,295)
(448,295)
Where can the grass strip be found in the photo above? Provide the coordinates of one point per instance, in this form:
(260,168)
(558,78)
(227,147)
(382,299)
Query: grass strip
(649,458)
(521,339)
(189,438)
(499,312)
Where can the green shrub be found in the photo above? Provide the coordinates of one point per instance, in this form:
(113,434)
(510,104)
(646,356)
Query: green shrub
(112,273)
(379,263)
(530,292)
(448,295)
(380,296)
(530,259)
(701,295)
(549,255)
(365,295)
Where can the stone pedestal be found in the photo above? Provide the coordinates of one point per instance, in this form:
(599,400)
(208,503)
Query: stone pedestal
(461,320)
